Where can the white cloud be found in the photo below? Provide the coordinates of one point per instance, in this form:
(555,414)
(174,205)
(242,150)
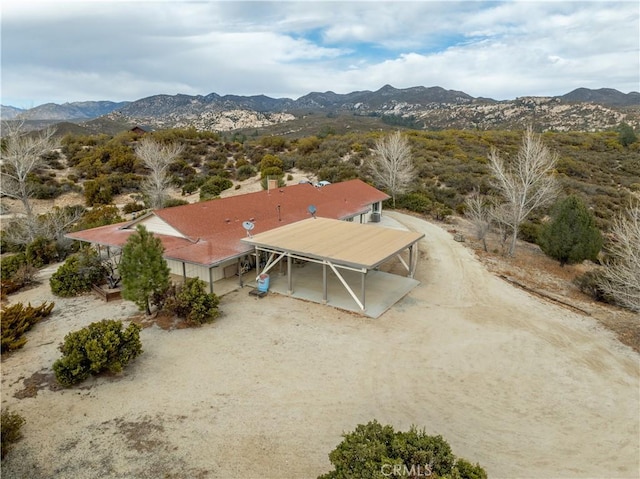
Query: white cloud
(124,50)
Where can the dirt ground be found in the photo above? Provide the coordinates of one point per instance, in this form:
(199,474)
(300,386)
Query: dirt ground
(525,386)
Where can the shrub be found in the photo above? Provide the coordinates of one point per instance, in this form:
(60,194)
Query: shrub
(132,207)
(99,216)
(193,303)
(441,212)
(244,172)
(98,192)
(8,245)
(377,451)
(11,264)
(572,235)
(418,202)
(42,251)
(171,202)
(469,471)
(309,144)
(270,161)
(192,185)
(529,232)
(78,273)
(589,284)
(101,346)
(277,143)
(25,275)
(17,320)
(213,187)
(271,171)
(10,425)
(8,286)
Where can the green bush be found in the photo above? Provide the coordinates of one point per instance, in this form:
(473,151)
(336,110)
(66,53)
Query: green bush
(270,161)
(132,207)
(98,192)
(193,303)
(440,212)
(15,320)
(376,451)
(42,251)
(572,235)
(9,246)
(244,172)
(10,425)
(171,202)
(213,187)
(271,171)
(418,202)
(78,273)
(99,216)
(468,471)
(101,346)
(529,232)
(11,264)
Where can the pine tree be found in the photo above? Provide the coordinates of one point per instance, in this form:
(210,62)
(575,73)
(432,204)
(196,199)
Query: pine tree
(626,135)
(572,235)
(143,269)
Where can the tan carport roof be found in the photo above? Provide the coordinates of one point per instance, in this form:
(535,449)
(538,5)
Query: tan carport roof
(342,249)
(341,242)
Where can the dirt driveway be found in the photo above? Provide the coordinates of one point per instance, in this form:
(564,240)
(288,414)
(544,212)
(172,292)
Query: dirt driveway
(524,387)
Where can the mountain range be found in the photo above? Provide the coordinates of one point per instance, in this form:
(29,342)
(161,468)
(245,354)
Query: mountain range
(430,108)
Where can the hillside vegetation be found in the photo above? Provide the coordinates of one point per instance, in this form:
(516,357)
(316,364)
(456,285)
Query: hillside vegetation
(450,164)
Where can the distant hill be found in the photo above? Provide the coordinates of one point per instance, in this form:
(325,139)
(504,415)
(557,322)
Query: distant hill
(603,96)
(420,107)
(9,112)
(83,110)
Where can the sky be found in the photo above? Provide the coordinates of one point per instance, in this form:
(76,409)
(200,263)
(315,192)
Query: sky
(123,50)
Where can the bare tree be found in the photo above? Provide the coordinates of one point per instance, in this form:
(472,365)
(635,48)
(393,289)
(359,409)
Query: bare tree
(479,213)
(157,158)
(57,222)
(621,274)
(111,264)
(526,183)
(52,225)
(392,166)
(21,156)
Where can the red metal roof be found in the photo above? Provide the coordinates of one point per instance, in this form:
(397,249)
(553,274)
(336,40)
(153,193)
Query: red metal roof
(214,228)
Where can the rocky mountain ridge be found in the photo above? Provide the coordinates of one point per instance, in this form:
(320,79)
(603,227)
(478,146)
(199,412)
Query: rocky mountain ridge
(430,108)
(79,110)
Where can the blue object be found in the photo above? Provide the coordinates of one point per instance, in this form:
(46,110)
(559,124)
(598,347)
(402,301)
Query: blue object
(263,283)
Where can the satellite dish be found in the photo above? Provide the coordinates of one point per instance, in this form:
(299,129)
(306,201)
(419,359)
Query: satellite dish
(248,225)
(312,210)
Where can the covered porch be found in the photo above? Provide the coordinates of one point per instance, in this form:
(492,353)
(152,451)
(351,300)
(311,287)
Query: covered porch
(337,263)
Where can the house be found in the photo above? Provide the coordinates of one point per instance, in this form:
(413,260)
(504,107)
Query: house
(204,239)
(138,130)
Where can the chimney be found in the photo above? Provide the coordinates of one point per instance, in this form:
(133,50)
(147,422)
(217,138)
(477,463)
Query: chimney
(272,184)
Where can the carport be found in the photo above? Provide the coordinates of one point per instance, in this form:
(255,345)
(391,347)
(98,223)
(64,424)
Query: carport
(349,252)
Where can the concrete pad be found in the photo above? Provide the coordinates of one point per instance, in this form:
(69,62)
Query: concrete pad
(382,290)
